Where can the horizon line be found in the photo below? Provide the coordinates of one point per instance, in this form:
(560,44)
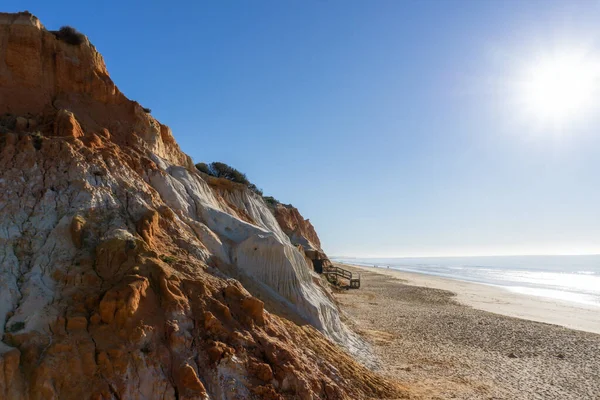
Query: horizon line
(471,255)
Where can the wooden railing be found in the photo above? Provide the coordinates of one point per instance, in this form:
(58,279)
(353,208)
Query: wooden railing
(334,274)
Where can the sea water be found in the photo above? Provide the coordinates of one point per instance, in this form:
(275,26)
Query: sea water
(575,279)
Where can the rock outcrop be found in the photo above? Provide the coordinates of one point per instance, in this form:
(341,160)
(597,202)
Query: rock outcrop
(300,232)
(117,258)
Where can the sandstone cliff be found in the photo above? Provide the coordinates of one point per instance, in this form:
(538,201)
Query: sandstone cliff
(300,232)
(117,257)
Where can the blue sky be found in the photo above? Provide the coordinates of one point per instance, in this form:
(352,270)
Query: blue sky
(393,125)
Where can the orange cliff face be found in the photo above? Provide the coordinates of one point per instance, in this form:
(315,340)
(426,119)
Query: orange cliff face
(300,231)
(116,255)
(41,77)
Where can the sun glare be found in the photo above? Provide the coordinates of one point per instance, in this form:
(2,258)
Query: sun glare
(559,89)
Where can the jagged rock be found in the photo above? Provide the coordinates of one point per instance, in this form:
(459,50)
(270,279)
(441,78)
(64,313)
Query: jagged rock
(255,309)
(300,230)
(117,256)
(301,233)
(147,227)
(190,383)
(262,371)
(65,124)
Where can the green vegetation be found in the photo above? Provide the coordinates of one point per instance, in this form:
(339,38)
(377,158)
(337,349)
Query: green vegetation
(273,202)
(270,200)
(70,35)
(255,189)
(203,167)
(167,259)
(146,110)
(222,170)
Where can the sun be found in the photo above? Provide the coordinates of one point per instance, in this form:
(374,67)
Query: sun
(559,88)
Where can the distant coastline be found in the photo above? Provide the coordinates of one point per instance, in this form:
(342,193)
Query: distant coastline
(572,279)
(500,300)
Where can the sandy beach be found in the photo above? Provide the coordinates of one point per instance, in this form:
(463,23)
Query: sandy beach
(458,340)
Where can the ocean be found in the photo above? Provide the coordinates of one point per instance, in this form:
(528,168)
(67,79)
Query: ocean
(575,279)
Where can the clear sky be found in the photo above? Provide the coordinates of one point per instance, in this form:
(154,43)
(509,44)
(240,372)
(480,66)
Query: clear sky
(400,128)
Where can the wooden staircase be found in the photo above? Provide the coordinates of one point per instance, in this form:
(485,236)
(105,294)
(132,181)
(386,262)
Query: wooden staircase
(342,277)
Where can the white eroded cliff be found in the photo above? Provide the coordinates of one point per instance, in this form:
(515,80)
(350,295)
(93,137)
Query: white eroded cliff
(259,248)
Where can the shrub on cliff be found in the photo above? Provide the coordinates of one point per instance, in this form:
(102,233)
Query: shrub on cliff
(255,189)
(70,35)
(222,170)
(270,200)
(203,167)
